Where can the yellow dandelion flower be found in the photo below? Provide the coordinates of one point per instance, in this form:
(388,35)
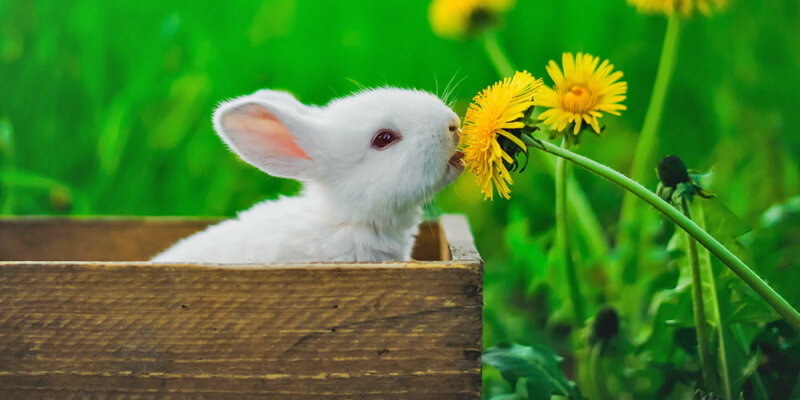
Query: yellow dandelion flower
(581,93)
(492,126)
(683,7)
(459,18)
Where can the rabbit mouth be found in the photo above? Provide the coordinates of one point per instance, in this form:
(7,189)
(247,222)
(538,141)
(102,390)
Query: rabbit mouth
(457,160)
(455,166)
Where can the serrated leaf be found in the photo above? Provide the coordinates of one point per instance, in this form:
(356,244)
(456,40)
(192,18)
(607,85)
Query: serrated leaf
(539,365)
(727,299)
(671,310)
(512,396)
(775,248)
(722,223)
(747,370)
(520,392)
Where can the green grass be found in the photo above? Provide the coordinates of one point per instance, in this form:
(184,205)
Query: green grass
(105,109)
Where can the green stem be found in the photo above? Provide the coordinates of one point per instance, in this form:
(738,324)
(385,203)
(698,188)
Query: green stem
(496,54)
(563,239)
(736,265)
(648,139)
(715,317)
(598,377)
(583,215)
(700,327)
(8,194)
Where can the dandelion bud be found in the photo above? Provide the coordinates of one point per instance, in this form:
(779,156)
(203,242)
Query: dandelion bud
(462,18)
(60,199)
(672,171)
(676,183)
(605,325)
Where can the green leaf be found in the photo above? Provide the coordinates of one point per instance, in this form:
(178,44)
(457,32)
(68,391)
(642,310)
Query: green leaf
(113,136)
(726,298)
(671,310)
(512,396)
(796,392)
(6,141)
(539,365)
(722,223)
(711,301)
(20,180)
(27,180)
(747,370)
(775,248)
(520,392)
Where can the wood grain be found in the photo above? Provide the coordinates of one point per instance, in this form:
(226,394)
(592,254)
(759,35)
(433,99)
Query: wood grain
(129,239)
(92,239)
(313,331)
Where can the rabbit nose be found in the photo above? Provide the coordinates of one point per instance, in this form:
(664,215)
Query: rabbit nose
(456,132)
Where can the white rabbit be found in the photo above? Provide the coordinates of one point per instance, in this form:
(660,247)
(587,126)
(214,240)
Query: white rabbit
(367,163)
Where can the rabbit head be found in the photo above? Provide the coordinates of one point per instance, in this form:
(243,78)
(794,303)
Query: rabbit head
(371,155)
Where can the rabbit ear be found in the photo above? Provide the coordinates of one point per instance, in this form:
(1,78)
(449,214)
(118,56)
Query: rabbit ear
(271,132)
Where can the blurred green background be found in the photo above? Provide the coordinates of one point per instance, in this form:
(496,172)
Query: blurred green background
(105,107)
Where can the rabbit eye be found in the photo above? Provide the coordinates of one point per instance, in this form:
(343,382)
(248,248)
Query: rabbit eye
(384,138)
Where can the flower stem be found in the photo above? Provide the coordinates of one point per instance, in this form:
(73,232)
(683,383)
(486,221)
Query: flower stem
(583,215)
(715,317)
(646,147)
(736,265)
(598,378)
(563,238)
(700,327)
(496,54)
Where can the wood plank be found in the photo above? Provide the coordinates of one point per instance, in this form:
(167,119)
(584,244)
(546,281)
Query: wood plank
(128,239)
(309,331)
(92,239)
(326,331)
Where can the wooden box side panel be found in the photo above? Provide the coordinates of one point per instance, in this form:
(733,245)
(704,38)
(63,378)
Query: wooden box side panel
(129,239)
(91,239)
(388,331)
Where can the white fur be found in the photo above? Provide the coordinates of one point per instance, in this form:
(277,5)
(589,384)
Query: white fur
(357,203)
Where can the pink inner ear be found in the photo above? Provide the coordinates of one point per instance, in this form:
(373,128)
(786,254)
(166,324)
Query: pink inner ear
(264,130)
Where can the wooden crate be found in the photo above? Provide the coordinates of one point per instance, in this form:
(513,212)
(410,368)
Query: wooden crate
(82,316)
